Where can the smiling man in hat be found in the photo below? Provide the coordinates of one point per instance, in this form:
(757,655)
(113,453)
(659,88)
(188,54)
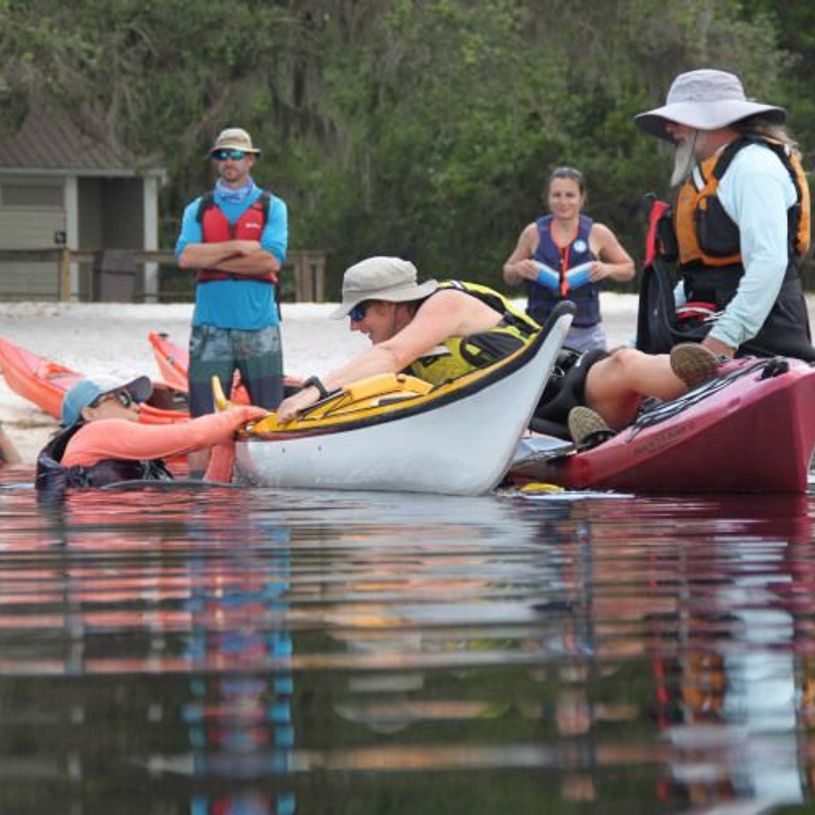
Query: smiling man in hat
(436,331)
(742,214)
(440,331)
(235,239)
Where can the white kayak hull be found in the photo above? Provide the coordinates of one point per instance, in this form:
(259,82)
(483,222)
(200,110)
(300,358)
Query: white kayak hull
(451,441)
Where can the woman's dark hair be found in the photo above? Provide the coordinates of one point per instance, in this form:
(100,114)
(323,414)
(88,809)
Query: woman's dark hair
(567,172)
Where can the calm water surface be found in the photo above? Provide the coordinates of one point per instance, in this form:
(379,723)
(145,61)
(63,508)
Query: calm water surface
(225,651)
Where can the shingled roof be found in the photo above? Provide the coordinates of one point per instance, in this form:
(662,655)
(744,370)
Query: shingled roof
(48,140)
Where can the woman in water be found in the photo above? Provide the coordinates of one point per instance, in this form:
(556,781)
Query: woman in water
(103,443)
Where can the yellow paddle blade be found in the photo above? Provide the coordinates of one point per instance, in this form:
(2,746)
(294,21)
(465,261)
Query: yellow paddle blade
(221,402)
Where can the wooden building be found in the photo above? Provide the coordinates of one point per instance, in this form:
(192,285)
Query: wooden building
(62,186)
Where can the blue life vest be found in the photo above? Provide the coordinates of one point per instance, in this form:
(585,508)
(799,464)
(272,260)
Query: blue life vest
(540,300)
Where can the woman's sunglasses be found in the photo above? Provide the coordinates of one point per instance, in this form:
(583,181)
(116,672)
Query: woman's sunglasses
(123,397)
(358,312)
(223,155)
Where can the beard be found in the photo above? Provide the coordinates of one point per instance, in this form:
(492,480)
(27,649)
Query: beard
(684,159)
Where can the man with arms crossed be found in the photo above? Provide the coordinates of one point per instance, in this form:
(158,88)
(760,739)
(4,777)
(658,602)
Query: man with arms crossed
(235,238)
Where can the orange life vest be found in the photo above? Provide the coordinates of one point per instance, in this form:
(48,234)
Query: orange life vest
(215,228)
(705,232)
(710,261)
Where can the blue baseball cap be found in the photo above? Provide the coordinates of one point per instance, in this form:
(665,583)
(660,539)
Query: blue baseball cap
(87,391)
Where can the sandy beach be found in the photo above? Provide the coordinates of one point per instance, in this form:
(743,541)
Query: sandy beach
(111,339)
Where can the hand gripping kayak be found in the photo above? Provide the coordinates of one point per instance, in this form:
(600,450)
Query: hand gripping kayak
(365,397)
(267,424)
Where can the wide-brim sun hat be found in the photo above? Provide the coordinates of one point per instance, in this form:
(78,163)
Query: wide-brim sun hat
(381,278)
(234,138)
(705,99)
(87,391)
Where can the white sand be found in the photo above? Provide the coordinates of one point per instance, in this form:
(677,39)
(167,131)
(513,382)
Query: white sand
(111,339)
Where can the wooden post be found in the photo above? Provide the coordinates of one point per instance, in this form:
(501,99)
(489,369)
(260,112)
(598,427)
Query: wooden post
(309,276)
(65,275)
(304,292)
(316,265)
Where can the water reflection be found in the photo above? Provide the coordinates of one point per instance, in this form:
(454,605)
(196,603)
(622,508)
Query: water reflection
(249,651)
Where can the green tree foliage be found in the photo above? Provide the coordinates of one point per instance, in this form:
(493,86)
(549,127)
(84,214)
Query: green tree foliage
(425,128)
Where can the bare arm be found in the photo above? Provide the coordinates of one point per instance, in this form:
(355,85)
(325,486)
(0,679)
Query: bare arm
(446,314)
(259,262)
(236,257)
(519,265)
(613,261)
(123,439)
(211,255)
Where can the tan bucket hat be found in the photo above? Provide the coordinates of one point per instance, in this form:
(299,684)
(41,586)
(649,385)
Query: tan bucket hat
(381,278)
(234,138)
(705,99)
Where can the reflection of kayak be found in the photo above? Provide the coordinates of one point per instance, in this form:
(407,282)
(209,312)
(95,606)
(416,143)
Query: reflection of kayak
(174,361)
(752,429)
(396,432)
(44,383)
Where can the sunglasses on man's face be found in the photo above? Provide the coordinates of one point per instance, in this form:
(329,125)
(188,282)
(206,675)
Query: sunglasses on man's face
(122,397)
(358,312)
(223,155)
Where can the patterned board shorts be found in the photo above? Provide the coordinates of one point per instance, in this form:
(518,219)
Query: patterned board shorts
(258,355)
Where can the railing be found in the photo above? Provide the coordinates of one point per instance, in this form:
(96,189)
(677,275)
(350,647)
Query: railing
(306,267)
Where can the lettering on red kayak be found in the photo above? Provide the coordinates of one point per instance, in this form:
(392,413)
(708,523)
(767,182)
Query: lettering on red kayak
(663,438)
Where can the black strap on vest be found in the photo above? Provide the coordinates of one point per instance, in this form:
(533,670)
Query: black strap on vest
(780,150)
(495,302)
(729,153)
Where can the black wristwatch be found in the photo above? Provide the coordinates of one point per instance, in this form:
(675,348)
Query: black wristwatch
(314,382)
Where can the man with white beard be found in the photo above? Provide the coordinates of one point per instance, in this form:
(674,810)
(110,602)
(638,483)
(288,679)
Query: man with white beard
(742,214)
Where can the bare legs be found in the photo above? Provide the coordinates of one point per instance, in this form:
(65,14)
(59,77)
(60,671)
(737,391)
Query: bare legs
(616,385)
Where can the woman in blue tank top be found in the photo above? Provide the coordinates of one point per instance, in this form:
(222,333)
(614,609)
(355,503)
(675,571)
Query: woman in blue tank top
(565,255)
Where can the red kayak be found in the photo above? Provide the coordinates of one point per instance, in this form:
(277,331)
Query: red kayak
(174,360)
(45,383)
(34,378)
(752,429)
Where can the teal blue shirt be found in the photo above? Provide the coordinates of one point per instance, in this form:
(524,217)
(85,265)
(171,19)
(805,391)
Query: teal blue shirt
(239,302)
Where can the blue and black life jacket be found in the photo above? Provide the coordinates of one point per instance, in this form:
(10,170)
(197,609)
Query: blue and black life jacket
(540,300)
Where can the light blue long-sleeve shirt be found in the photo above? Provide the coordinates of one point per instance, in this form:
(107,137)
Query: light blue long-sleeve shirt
(756,191)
